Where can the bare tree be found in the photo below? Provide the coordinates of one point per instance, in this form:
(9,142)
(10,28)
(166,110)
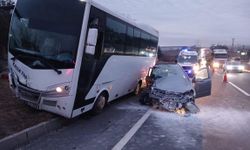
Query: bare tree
(4,26)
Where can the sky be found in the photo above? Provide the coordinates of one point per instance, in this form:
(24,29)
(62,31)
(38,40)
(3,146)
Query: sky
(190,22)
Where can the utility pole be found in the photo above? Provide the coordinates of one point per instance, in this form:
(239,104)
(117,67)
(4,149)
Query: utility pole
(233,39)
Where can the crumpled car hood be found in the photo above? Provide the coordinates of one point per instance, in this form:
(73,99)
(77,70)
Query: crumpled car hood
(173,84)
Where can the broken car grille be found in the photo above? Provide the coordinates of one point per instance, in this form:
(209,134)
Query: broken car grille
(164,96)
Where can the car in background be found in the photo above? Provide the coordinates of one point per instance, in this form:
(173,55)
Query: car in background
(169,87)
(234,66)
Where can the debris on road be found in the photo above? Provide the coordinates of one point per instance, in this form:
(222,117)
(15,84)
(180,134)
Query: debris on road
(181,109)
(192,107)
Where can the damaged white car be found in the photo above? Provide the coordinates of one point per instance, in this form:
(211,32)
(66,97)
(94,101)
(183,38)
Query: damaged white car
(169,87)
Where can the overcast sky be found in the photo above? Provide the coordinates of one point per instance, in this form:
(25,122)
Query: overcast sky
(189,22)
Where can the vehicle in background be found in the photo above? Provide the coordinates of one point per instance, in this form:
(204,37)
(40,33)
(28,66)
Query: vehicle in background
(220,57)
(169,53)
(237,59)
(169,87)
(188,60)
(234,66)
(69,57)
(205,57)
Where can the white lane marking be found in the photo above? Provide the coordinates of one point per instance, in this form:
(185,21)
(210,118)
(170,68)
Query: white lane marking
(242,91)
(132,131)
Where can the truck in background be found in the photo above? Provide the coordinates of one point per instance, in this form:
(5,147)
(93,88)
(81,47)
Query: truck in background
(220,57)
(205,57)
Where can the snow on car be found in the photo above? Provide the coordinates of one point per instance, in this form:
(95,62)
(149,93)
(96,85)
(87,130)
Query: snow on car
(170,88)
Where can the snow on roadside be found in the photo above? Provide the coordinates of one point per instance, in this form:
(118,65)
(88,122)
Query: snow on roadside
(212,119)
(216,121)
(225,120)
(184,131)
(221,122)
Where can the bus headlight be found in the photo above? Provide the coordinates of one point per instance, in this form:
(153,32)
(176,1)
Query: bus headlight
(57,91)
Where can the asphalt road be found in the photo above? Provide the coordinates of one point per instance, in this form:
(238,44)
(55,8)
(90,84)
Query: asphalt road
(242,80)
(222,123)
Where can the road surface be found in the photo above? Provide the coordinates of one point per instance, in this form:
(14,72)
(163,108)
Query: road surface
(222,123)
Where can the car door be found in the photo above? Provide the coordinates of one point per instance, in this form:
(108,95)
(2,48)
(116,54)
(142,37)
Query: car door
(203,83)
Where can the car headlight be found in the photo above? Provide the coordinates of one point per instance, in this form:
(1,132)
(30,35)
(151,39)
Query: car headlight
(241,67)
(57,91)
(229,67)
(216,64)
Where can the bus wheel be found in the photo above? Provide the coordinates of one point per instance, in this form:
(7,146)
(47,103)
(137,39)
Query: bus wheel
(99,104)
(137,89)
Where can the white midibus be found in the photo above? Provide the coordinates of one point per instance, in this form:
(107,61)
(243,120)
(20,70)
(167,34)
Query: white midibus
(71,56)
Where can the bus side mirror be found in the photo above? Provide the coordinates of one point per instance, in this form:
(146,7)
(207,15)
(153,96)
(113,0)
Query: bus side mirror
(91,41)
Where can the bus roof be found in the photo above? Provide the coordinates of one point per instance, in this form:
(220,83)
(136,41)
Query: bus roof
(143,27)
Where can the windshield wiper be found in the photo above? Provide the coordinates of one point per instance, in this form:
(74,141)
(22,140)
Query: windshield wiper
(43,60)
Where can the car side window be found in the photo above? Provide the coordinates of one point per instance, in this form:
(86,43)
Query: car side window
(202,74)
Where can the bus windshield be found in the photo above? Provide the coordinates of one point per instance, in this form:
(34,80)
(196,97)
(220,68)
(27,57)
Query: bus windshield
(46,29)
(187,59)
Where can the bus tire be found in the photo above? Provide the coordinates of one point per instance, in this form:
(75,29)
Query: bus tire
(99,104)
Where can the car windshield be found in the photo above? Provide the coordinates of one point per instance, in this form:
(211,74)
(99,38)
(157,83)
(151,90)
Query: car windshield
(52,34)
(187,59)
(166,70)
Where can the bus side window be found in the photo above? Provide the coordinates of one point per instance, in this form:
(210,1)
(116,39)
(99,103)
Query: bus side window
(115,35)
